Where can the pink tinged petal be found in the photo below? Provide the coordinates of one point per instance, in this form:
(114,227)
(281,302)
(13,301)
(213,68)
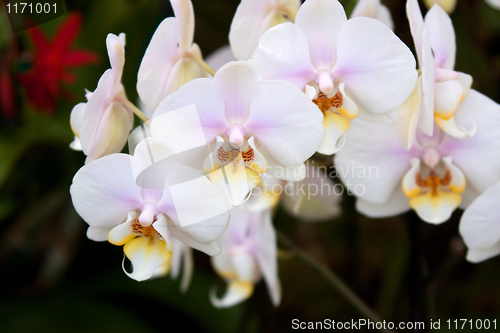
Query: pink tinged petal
(116,53)
(416,20)
(372,163)
(437,207)
(183,11)
(208,98)
(397,204)
(278,111)
(408,114)
(157,63)
(104,191)
(283,54)
(195,199)
(373,9)
(237,81)
(336,125)
(237,292)
(180,129)
(377,68)
(480,227)
(220,57)
(316,198)
(426,83)
(442,37)
(146,255)
(321,20)
(447,96)
(478,156)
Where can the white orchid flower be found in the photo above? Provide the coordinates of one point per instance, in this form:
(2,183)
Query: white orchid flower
(248,253)
(440,89)
(171,58)
(137,201)
(252,126)
(438,174)
(102,125)
(374,9)
(480,226)
(253,18)
(344,66)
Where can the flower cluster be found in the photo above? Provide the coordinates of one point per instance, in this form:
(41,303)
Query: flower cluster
(298,79)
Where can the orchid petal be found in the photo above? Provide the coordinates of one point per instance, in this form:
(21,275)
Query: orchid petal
(435,208)
(336,125)
(283,54)
(416,21)
(253,18)
(184,15)
(372,160)
(209,102)
(408,114)
(267,256)
(397,204)
(321,20)
(480,228)
(237,292)
(237,81)
(278,111)
(377,68)
(442,37)
(447,96)
(146,255)
(200,236)
(157,63)
(116,52)
(427,87)
(123,233)
(481,151)
(96,197)
(373,9)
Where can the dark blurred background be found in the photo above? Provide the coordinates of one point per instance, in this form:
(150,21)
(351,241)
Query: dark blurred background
(54,279)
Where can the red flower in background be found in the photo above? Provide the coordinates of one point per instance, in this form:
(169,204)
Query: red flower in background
(52,60)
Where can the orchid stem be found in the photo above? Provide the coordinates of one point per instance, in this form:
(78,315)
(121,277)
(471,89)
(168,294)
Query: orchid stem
(130,106)
(336,282)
